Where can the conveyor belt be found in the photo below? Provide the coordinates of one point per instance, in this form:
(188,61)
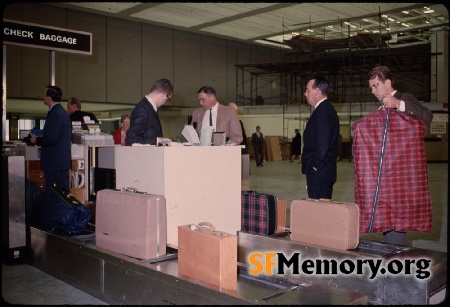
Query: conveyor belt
(384,289)
(118,279)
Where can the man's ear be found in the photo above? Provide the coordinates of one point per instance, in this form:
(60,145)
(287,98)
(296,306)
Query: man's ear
(388,82)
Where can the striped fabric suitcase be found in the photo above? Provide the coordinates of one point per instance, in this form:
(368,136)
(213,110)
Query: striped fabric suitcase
(130,223)
(325,223)
(262,213)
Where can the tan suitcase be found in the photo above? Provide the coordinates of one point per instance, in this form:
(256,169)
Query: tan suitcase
(208,255)
(281,216)
(129,223)
(325,223)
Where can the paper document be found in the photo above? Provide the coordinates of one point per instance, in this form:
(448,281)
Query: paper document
(191,135)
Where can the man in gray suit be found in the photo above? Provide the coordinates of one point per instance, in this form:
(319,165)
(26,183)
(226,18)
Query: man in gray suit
(222,118)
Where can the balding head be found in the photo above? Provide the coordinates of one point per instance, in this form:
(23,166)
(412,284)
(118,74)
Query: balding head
(234,106)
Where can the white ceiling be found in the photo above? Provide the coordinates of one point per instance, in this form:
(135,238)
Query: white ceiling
(268,24)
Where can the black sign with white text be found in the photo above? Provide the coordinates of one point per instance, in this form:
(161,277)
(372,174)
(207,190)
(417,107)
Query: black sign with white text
(37,36)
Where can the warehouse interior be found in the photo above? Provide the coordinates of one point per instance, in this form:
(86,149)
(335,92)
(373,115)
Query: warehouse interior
(259,55)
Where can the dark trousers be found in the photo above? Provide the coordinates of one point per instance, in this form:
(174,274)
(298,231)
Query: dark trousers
(259,155)
(318,186)
(58,177)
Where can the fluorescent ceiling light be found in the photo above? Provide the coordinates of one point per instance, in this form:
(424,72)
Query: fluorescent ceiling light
(260,41)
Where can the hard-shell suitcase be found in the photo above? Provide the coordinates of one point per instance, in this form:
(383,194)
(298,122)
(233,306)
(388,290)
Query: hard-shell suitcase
(261,213)
(131,223)
(325,223)
(208,255)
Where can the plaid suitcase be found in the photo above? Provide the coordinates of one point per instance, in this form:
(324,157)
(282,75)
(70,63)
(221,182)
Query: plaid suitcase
(259,213)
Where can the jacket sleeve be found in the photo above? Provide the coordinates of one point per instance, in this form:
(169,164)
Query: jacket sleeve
(52,130)
(414,108)
(235,128)
(138,131)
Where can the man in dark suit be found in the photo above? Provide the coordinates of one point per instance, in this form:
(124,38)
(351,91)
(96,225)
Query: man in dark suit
(75,113)
(218,116)
(56,140)
(258,146)
(320,141)
(145,127)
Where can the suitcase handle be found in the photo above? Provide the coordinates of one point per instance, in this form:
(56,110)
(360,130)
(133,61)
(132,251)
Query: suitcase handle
(207,224)
(132,190)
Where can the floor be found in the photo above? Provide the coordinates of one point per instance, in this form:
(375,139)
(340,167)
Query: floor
(24,284)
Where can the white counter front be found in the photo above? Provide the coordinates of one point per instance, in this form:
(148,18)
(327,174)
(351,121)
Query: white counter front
(200,184)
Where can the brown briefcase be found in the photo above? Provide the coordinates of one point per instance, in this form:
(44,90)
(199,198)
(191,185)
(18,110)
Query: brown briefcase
(325,223)
(208,255)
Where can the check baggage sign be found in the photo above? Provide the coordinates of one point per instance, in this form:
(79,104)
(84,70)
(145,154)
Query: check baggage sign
(46,37)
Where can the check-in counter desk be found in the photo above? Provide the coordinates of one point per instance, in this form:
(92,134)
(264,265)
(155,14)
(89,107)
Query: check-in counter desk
(200,183)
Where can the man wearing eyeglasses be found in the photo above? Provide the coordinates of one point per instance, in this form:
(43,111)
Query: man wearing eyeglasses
(145,127)
(213,114)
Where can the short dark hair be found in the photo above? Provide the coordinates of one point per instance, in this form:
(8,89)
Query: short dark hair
(207,90)
(54,93)
(162,86)
(74,101)
(382,72)
(322,84)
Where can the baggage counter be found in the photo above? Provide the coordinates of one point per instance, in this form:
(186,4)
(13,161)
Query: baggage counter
(200,183)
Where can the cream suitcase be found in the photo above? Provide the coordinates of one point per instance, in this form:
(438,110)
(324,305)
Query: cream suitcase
(325,223)
(130,223)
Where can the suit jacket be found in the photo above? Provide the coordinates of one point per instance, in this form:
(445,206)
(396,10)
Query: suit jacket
(145,126)
(226,121)
(320,141)
(414,108)
(78,115)
(257,142)
(56,140)
(244,142)
(403,201)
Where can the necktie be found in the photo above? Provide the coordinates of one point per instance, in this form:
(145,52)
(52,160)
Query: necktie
(210,117)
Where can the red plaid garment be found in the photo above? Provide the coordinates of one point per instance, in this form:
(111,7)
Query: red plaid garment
(404,200)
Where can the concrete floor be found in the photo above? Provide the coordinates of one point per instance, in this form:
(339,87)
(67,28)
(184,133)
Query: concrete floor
(24,284)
